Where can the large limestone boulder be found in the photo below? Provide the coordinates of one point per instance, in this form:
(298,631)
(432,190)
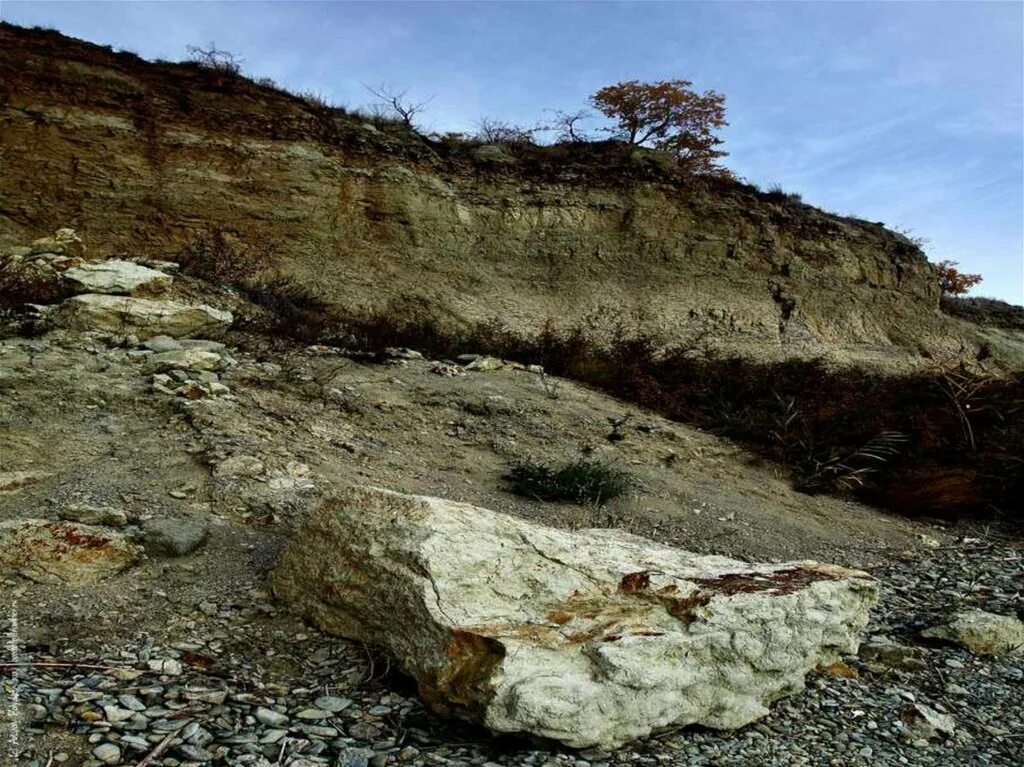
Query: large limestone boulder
(116,277)
(591,638)
(143,317)
(63,552)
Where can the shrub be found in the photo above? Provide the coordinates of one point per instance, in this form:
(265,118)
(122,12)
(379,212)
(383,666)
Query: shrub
(777,194)
(220,257)
(216,59)
(952,281)
(21,283)
(984,311)
(491,131)
(579,481)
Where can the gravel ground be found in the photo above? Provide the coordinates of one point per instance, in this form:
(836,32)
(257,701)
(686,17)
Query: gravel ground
(251,685)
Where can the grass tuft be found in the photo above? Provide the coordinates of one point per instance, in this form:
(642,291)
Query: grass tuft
(579,481)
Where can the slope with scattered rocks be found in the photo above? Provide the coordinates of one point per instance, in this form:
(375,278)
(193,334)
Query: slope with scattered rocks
(204,456)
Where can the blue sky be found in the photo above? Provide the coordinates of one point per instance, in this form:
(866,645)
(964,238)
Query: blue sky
(909,113)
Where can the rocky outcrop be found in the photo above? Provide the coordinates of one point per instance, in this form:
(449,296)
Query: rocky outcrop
(63,552)
(116,277)
(590,638)
(148,156)
(141,317)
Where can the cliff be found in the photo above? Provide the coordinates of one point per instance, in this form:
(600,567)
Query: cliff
(141,157)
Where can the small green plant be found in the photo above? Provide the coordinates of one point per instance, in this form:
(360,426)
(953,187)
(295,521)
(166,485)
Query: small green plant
(579,481)
(552,386)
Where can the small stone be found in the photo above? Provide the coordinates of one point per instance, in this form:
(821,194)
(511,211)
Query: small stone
(216,697)
(63,552)
(924,723)
(364,731)
(93,515)
(354,757)
(114,715)
(184,359)
(313,714)
(107,753)
(271,718)
(116,277)
(162,344)
(173,537)
(168,667)
(332,703)
(194,753)
(982,632)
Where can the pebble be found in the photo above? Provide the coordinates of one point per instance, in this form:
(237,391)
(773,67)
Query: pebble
(271,718)
(107,753)
(313,714)
(332,704)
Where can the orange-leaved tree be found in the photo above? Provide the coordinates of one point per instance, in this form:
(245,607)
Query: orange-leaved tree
(954,282)
(669,116)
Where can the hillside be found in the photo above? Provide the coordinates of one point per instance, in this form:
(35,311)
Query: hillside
(326,444)
(142,158)
(149,484)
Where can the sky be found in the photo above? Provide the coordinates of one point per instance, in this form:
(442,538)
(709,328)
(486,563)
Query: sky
(909,113)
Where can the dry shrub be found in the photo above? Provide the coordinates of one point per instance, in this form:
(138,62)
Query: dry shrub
(21,283)
(222,258)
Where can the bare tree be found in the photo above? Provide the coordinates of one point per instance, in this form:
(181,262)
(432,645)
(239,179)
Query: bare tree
(499,132)
(568,125)
(216,59)
(391,102)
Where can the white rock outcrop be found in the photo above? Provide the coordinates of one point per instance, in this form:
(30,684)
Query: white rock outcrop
(116,277)
(142,317)
(591,638)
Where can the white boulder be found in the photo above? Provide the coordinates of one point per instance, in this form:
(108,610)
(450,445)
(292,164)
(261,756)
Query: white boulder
(591,638)
(982,632)
(117,278)
(142,317)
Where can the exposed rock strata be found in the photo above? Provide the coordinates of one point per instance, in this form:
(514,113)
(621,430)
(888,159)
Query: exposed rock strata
(147,156)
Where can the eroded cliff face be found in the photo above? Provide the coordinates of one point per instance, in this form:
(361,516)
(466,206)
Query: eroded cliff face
(141,157)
